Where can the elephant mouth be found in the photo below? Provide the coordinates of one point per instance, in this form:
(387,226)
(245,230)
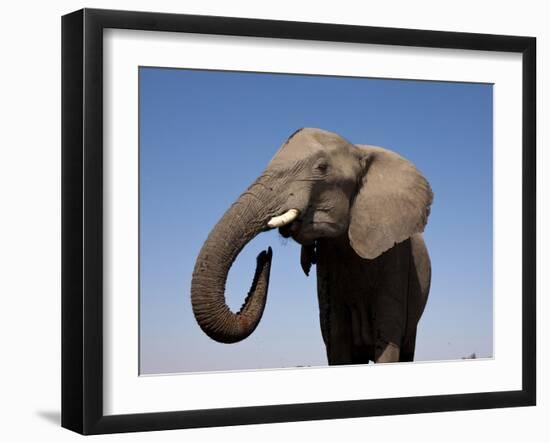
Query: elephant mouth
(297,231)
(307,231)
(305,227)
(288,223)
(302,232)
(290,229)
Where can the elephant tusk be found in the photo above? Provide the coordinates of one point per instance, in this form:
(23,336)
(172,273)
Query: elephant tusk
(284,219)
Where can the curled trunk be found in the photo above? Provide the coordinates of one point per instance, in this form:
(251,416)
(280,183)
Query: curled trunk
(240,224)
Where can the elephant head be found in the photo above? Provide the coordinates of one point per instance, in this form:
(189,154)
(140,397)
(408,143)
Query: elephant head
(318,185)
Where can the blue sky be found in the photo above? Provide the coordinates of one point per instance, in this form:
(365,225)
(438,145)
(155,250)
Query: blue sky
(205,136)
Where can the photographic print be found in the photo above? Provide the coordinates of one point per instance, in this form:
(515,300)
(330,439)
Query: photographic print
(253,209)
(292,220)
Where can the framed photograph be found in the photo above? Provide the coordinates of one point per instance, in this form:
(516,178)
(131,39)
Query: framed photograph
(269,221)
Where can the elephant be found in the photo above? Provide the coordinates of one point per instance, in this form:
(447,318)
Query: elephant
(358,212)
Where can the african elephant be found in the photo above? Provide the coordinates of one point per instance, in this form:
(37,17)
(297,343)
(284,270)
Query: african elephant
(358,211)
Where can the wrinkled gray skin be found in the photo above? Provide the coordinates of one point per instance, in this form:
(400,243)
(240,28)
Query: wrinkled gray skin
(361,213)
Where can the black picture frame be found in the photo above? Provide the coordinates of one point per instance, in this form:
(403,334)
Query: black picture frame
(82,217)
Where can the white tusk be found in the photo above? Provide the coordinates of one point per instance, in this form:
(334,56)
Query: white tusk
(284,219)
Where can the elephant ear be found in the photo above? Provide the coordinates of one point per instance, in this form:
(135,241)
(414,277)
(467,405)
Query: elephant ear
(392,203)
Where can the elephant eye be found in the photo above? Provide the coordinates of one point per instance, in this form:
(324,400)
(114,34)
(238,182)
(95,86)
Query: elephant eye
(322,166)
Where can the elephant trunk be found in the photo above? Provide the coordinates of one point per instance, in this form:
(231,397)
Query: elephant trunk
(245,219)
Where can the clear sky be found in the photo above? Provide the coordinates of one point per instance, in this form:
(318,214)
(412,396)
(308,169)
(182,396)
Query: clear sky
(205,136)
